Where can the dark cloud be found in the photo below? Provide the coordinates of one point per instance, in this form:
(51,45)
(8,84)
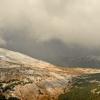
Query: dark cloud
(51,30)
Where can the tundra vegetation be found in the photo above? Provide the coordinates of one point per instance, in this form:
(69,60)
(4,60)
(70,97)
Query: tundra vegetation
(86,87)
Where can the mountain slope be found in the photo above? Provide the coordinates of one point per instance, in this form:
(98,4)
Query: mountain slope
(26,78)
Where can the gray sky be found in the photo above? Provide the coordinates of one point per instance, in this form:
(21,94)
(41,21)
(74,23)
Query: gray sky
(49,29)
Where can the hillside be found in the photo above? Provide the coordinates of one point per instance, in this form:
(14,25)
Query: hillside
(26,78)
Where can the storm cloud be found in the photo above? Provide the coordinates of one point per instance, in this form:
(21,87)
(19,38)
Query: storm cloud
(50,29)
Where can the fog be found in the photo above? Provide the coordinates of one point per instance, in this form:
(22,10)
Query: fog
(51,30)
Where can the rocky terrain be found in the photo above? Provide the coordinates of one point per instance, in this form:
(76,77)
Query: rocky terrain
(26,78)
(85,87)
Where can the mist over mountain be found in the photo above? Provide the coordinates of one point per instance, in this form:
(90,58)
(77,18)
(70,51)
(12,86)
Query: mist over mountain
(49,49)
(57,52)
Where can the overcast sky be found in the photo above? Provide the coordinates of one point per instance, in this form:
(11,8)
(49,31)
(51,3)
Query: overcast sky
(50,29)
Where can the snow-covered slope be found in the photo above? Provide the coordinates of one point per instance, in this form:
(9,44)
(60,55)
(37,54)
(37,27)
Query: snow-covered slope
(27,78)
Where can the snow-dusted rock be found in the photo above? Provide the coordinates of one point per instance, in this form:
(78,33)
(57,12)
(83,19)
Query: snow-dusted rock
(30,79)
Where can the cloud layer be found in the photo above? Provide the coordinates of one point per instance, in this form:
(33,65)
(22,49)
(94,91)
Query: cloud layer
(41,27)
(72,21)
